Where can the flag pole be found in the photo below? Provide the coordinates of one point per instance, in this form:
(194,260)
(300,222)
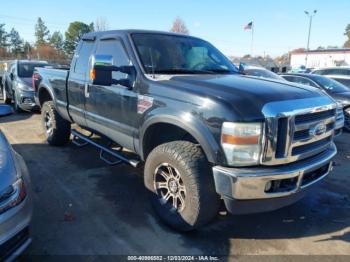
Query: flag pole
(252,41)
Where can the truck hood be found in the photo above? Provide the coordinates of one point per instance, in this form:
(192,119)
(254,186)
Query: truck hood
(246,95)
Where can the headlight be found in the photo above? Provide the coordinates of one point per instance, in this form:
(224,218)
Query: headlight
(25,87)
(12,196)
(241,143)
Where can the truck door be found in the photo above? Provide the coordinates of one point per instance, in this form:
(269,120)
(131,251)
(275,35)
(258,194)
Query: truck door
(77,80)
(112,110)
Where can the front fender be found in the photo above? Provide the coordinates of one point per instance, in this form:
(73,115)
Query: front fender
(188,122)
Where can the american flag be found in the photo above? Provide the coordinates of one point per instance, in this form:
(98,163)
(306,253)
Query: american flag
(248,26)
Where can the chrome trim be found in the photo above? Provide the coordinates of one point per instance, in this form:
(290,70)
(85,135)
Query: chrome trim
(288,110)
(311,140)
(340,118)
(249,183)
(300,127)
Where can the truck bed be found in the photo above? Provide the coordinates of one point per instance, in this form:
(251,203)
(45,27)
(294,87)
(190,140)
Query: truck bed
(57,80)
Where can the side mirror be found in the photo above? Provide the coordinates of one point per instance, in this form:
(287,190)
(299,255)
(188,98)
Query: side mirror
(102,68)
(241,67)
(12,76)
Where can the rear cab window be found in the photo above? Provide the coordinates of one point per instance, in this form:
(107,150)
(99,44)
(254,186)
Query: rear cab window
(83,57)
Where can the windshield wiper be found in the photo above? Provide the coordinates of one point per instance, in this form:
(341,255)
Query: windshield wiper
(182,71)
(222,71)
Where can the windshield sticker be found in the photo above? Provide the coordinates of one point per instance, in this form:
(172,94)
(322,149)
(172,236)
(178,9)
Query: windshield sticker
(144,103)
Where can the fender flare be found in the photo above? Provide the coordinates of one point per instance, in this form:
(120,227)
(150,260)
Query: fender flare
(43,86)
(194,127)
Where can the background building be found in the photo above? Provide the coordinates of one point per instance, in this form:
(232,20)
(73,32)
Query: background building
(321,58)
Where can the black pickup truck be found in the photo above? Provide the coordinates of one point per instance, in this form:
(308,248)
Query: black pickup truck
(205,132)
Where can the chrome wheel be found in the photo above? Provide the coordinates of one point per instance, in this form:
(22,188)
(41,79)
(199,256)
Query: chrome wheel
(170,187)
(48,123)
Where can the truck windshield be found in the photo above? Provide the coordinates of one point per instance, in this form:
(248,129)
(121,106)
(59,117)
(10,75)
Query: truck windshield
(172,54)
(27,69)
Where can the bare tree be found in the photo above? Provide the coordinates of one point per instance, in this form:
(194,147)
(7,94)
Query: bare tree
(179,26)
(101,24)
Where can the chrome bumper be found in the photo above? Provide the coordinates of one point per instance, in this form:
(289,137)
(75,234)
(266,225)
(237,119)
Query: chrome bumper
(253,183)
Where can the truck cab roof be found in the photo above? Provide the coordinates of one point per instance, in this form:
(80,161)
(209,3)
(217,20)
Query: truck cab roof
(92,35)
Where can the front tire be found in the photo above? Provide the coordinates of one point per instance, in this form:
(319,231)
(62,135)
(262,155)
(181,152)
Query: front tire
(181,185)
(57,129)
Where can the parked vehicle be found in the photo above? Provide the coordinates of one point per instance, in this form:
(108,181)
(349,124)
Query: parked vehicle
(15,202)
(340,74)
(5,66)
(3,70)
(18,84)
(204,131)
(301,69)
(261,73)
(336,90)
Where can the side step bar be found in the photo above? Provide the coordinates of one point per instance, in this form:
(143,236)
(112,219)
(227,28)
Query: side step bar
(103,150)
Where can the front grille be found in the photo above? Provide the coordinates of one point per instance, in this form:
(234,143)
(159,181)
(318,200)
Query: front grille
(293,136)
(312,146)
(13,244)
(305,118)
(305,134)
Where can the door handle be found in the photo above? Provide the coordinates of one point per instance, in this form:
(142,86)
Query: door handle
(86,90)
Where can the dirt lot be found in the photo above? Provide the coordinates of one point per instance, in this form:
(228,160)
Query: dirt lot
(83,207)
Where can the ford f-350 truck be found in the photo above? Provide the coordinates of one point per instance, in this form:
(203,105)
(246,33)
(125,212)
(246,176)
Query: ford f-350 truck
(205,132)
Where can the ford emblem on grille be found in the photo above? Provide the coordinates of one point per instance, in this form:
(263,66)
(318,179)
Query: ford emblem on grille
(318,130)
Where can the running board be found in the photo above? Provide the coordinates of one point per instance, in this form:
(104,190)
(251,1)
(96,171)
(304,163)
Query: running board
(103,150)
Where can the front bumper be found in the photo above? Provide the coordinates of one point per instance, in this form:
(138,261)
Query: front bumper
(258,189)
(25,100)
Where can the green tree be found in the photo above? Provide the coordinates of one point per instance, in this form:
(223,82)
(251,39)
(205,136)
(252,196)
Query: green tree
(16,42)
(73,35)
(3,36)
(42,33)
(347,33)
(27,49)
(56,40)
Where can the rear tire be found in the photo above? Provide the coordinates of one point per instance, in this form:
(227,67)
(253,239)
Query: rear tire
(57,129)
(190,200)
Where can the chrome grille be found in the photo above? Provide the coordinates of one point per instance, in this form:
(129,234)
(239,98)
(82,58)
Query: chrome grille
(340,118)
(294,133)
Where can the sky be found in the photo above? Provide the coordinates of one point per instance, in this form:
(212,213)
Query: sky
(279,26)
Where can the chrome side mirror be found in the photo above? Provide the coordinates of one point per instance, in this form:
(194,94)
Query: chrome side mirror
(102,68)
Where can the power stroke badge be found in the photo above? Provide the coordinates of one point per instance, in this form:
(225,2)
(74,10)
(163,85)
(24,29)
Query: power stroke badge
(144,103)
